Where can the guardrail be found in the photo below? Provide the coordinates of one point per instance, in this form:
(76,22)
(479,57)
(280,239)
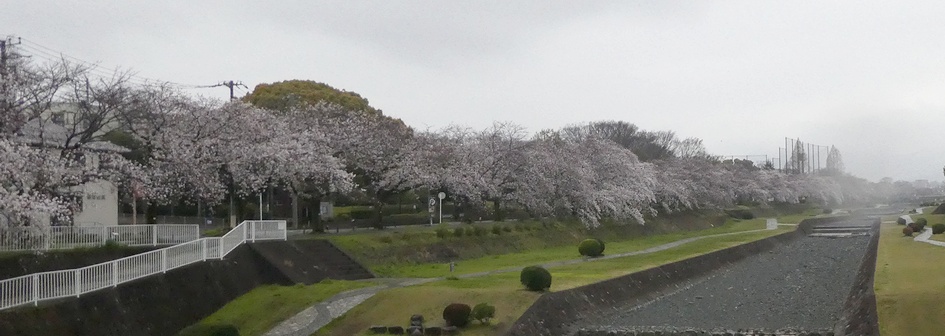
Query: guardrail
(33,288)
(66,237)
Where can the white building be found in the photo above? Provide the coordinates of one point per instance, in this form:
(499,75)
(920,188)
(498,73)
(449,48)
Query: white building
(97,200)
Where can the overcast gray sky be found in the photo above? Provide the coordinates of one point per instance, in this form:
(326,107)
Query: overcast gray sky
(865,76)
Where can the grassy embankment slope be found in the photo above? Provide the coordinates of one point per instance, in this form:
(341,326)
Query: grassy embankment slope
(420,252)
(909,298)
(261,309)
(503,289)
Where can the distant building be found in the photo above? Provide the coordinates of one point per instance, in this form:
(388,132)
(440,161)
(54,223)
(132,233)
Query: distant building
(97,200)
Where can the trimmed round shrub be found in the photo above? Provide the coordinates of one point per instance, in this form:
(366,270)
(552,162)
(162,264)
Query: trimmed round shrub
(907,231)
(828,211)
(483,312)
(922,221)
(591,248)
(459,231)
(535,278)
(602,247)
(938,228)
(507,228)
(901,221)
(496,230)
(479,230)
(457,314)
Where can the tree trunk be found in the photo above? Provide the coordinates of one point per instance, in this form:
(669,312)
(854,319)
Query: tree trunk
(378,215)
(316,219)
(240,211)
(295,209)
(497,209)
(468,216)
(200,209)
(271,211)
(150,212)
(232,210)
(456,209)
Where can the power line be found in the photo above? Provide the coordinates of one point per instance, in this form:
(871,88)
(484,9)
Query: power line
(232,85)
(99,71)
(94,67)
(55,55)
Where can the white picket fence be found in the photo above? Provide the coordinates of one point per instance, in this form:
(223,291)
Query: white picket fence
(33,288)
(66,237)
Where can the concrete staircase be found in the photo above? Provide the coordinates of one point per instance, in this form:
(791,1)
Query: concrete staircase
(311,261)
(841,229)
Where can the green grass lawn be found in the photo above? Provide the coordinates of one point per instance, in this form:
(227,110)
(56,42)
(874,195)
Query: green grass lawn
(395,306)
(797,218)
(539,256)
(910,297)
(264,307)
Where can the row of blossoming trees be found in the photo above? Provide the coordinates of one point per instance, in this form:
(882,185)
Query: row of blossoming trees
(210,152)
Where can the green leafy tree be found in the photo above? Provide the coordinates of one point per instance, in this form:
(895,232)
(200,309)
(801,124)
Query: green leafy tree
(285,95)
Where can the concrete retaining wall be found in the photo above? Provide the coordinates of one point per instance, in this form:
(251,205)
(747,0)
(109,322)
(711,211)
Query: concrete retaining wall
(158,305)
(22,263)
(858,316)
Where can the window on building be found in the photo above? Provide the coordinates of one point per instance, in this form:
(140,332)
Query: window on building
(59,119)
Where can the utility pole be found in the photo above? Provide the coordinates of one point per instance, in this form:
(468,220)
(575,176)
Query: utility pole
(4,58)
(231,84)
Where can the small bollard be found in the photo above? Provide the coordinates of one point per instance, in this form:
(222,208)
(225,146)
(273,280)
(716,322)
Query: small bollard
(452,266)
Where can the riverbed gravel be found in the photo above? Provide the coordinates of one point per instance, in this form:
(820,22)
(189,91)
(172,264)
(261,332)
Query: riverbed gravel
(800,285)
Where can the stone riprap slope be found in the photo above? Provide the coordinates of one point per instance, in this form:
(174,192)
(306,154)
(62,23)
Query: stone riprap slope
(801,286)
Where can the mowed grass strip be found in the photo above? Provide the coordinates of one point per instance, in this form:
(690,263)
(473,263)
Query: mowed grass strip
(546,255)
(395,306)
(910,298)
(797,218)
(258,311)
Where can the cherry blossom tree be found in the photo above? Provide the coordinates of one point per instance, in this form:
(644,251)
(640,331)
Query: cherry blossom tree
(51,119)
(386,159)
(203,151)
(589,178)
(452,165)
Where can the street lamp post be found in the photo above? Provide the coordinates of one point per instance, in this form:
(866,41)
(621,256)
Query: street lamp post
(441,196)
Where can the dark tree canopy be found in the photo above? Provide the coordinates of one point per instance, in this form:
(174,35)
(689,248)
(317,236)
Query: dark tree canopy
(284,95)
(648,146)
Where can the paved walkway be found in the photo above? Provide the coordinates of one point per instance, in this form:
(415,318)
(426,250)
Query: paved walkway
(313,318)
(924,237)
(926,234)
